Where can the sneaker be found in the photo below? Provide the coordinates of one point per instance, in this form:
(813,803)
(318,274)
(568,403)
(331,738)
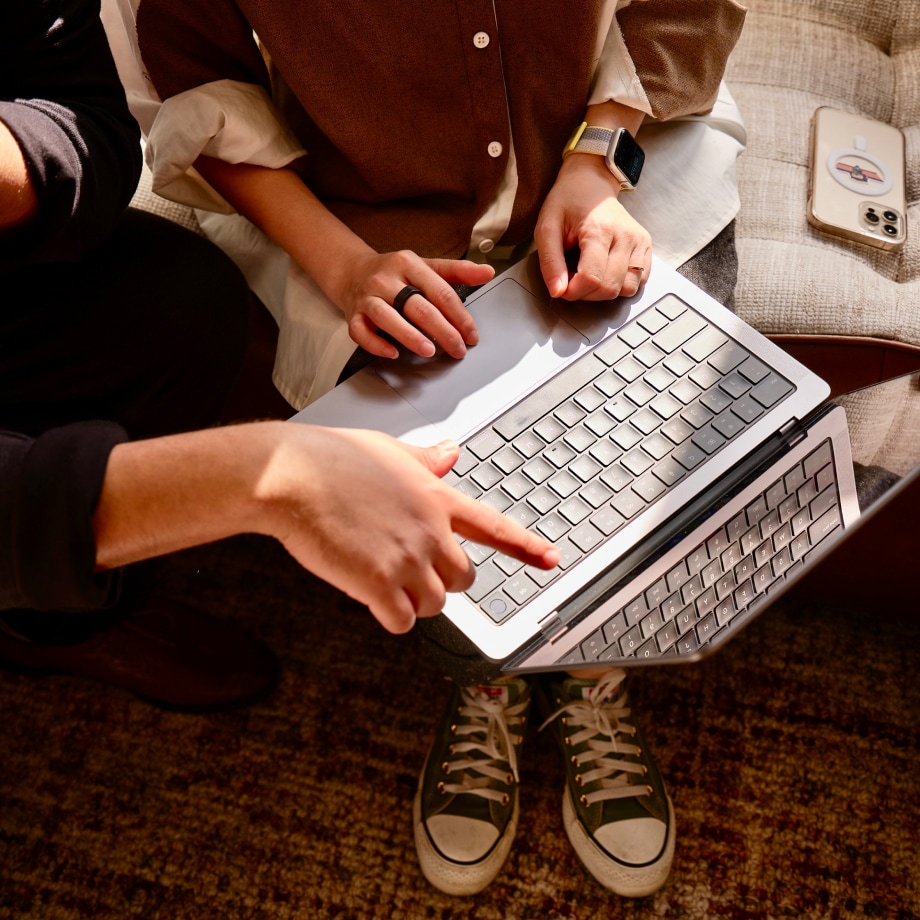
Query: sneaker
(617,814)
(465,812)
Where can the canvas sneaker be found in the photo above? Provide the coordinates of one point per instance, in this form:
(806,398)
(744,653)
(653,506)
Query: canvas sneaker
(617,814)
(465,812)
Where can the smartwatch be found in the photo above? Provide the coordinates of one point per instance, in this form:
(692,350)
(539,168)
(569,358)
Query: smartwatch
(623,156)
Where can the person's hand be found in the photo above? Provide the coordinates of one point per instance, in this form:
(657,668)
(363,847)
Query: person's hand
(582,210)
(435,315)
(371,516)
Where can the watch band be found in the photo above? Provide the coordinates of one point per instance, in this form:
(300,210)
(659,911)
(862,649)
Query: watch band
(589,139)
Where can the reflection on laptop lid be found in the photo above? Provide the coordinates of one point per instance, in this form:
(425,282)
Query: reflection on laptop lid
(672,453)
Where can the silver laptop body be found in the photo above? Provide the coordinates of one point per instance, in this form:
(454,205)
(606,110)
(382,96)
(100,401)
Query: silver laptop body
(613,428)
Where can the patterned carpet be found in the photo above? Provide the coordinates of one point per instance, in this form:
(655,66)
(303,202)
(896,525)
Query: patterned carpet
(791,756)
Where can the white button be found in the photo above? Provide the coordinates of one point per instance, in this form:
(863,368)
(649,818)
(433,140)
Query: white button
(487,245)
(481,39)
(495,149)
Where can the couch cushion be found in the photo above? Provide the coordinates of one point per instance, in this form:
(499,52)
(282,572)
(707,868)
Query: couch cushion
(794,56)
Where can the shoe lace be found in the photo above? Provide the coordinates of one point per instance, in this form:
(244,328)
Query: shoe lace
(600,724)
(487,746)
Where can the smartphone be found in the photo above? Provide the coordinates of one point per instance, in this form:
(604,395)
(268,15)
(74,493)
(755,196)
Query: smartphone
(857,179)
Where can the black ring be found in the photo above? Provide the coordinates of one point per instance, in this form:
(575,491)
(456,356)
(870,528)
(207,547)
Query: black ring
(399,301)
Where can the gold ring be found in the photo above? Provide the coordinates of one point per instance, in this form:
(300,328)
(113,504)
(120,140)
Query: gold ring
(636,268)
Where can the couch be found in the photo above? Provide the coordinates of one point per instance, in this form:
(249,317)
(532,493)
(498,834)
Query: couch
(847,309)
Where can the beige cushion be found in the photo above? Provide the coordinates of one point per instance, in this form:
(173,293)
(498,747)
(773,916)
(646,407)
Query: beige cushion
(794,56)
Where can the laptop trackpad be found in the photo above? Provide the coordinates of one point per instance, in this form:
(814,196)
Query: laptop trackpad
(521,342)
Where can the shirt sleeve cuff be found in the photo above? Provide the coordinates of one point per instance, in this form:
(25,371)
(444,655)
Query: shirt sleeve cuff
(52,538)
(228,120)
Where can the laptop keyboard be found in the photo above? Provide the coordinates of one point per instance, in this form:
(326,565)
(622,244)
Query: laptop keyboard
(606,438)
(704,593)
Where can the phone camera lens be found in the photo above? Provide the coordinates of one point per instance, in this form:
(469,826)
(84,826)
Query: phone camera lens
(891,217)
(872,217)
(890,230)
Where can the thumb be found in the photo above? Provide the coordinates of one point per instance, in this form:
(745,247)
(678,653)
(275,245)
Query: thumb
(437,458)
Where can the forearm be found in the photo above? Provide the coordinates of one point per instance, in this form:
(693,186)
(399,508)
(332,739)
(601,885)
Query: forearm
(167,494)
(280,204)
(614,115)
(18,201)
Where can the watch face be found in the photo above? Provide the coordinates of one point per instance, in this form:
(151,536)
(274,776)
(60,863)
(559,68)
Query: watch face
(628,156)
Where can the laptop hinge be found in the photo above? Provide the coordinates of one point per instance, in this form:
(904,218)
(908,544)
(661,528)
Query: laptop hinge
(793,431)
(552,626)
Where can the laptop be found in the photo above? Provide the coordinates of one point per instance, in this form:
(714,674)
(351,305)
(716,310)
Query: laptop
(686,467)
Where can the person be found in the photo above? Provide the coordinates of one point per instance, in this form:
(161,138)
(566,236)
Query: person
(372,148)
(121,335)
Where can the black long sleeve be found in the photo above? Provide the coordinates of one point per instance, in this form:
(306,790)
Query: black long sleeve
(61,98)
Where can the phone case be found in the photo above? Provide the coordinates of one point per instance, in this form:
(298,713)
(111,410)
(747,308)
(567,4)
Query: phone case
(857,179)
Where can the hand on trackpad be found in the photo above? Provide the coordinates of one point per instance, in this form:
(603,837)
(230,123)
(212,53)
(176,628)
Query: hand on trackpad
(521,342)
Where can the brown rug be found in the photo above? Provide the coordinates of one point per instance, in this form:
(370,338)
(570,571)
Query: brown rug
(791,756)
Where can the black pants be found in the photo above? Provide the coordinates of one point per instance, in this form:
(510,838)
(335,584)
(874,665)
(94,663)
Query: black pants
(148,331)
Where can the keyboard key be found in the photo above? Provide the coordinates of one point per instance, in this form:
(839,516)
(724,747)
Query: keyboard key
(616,478)
(629,369)
(507,459)
(485,444)
(596,494)
(542,500)
(477,552)
(498,606)
(633,334)
(631,641)
(574,510)
(579,439)
(600,424)
(564,484)
(608,520)
(590,399)
(521,589)
(529,444)
(679,331)
(593,646)
(610,383)
(628,503)
(539,470)
(614,628)
(518,485)
(612,350)
(728,423)
(508,564)
(649,487)
(689,456)
(771,390)
(570,413)
(522,514)
(488,578)
(560,454)
(704,343)
(637,461)
(546,398)
(705,376)
(677,430)
(649,354)
(498,500)
(625,437)
(586,537)
(585,468)
(728,357)
(553,526)
(549,429)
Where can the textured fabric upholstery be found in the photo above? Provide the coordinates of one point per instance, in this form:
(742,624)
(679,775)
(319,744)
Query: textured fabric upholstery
(794,56)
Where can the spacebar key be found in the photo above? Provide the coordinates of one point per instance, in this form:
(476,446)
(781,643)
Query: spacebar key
(548,396)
